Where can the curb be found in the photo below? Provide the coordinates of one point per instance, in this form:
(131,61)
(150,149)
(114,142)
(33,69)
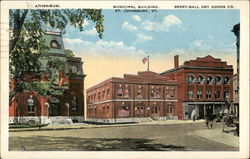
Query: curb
(99,126)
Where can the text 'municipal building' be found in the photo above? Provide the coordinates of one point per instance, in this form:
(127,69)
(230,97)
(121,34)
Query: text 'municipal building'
(126,99)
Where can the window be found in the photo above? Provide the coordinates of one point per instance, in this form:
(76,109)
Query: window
(139,92)
(74,105)
(155,110)
(120,91)
(190,79)
(158,92)
(218,80)
(226,94)
(126,92)
(108,92)
(99,95)
(190,94)
(153,92)
(172,92)
(103,93)
(226,80)
(200,79)
(217,94)
(209,94)
(170,109)
(54,44)
(209,80)
(94,97)
(31,104)
(123,111)
(199,94)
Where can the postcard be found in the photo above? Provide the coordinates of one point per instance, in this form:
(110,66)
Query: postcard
(124,79)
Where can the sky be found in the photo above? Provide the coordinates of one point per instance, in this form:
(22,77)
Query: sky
(129,36)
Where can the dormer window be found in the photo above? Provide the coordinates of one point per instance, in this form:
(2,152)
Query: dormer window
(54,44)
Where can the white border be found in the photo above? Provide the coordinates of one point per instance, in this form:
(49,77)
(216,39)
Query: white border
(244,83)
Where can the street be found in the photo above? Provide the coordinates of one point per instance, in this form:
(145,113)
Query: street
(138,137)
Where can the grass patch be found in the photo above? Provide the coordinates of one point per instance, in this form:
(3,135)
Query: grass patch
(16,126)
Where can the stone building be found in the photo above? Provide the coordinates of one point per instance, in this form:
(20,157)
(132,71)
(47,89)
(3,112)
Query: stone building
(205,86)
(132,98)
(29,106)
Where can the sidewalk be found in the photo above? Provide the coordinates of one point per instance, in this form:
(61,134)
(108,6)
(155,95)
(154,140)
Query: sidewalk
(88,126)
(218,136)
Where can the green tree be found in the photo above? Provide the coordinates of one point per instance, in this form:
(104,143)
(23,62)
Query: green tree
(26,46)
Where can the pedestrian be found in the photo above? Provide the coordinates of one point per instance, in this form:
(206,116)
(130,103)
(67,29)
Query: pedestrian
(197,117)
(194,117)
(206,121)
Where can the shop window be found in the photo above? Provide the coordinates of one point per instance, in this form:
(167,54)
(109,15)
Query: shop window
(199,94)
(209,94)
(218,80)
(190,94)
(209,80)
(200,79)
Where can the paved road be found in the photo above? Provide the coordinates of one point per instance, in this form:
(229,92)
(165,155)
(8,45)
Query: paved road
(174,137)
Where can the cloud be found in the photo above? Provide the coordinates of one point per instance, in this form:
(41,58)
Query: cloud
(91,32)
(142,38)
(199,45)
(164,25)
(101,47)
(136,18)
(127,26)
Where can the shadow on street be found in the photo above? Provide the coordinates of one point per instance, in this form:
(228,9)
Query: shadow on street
(47,143)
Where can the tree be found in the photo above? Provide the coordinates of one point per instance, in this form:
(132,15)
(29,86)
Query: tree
(26,46)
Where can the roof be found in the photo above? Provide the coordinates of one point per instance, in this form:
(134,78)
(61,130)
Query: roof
(145,77)
(205,63)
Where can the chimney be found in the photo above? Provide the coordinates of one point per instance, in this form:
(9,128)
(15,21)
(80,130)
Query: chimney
(176,61)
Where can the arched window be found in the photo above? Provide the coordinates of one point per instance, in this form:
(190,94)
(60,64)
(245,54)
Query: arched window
(226,80)
(190,79)
(209,80)
(218,80)
(54,44)
(170,109)
(200,79)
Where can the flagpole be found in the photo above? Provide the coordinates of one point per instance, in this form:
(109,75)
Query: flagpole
(148,63)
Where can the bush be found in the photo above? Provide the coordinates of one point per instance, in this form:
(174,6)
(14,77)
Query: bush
(14,126)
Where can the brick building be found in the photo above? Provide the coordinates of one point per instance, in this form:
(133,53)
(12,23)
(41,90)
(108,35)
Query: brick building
(205,85)
(132,97)
(29,106)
